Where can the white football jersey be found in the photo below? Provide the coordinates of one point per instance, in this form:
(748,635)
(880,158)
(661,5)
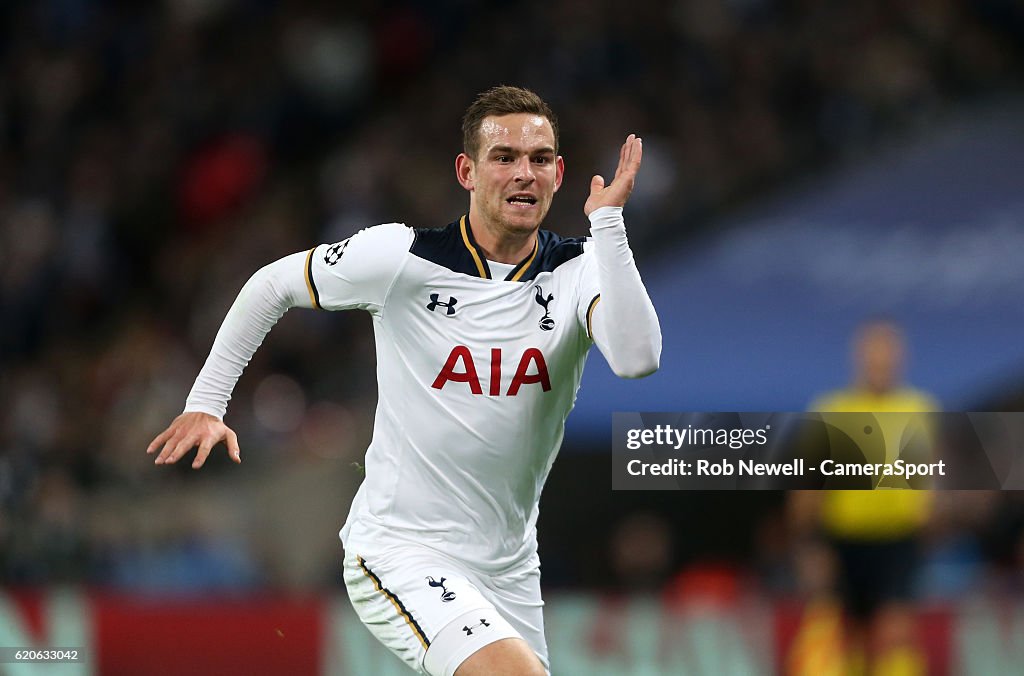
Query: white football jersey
(475,375)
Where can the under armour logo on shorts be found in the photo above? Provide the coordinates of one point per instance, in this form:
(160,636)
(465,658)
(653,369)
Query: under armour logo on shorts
(481,623)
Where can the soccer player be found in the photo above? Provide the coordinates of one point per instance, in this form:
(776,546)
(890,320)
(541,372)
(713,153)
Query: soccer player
(482,329)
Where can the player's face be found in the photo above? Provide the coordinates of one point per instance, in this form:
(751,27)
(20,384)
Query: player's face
(516,173)
(880,355)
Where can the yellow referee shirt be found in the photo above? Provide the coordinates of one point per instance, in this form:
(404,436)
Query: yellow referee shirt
(880,514)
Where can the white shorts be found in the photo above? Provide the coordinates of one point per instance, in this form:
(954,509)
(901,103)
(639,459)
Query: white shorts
(434,613)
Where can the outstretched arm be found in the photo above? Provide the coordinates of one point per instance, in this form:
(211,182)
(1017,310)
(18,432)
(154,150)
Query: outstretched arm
(356,273)
(263,300)
(624,323)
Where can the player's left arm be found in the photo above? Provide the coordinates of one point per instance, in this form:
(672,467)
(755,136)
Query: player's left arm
(622,320)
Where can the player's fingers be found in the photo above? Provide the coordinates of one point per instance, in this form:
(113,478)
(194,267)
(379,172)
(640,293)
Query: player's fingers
(638,154)
(626,156)
(184,446)
(630,152)
(160,439)
(204,451)
(596,184)
(231,439)
(631,161)
(169,445)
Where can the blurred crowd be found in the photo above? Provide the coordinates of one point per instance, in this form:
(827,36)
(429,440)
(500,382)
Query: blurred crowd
(154,155)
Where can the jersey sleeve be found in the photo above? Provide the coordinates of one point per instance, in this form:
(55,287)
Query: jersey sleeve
(269,293)
(358,272)
(621,320)
(590,291)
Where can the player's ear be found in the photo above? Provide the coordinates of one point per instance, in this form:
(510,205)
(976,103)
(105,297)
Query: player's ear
(465,171)
(559,172)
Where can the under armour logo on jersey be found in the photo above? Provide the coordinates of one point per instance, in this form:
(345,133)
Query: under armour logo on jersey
(446,595)
(546,322)
(334,252)
(481,623)
(435,303)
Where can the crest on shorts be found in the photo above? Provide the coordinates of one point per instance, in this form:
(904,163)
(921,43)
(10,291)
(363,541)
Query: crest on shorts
(446,595)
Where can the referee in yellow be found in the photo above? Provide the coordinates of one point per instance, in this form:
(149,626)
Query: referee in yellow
(873,535)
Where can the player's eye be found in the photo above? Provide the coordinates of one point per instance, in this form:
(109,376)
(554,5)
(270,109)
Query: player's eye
(542,159)
(504,159)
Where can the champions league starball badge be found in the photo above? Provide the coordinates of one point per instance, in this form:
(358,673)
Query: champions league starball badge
(335,252)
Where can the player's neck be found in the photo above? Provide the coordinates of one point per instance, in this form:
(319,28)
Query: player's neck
(501,244)
(877,389)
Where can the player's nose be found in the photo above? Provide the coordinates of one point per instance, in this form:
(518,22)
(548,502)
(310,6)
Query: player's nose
(524,169)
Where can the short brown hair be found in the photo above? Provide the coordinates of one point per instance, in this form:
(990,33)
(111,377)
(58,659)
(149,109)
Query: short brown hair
(502,100)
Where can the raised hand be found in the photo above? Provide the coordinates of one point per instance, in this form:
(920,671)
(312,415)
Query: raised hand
(189,430)
(617,192)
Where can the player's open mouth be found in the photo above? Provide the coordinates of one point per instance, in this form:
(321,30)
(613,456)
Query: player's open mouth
(522,200)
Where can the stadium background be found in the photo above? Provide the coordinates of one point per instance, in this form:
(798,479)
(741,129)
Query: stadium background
(807,164)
